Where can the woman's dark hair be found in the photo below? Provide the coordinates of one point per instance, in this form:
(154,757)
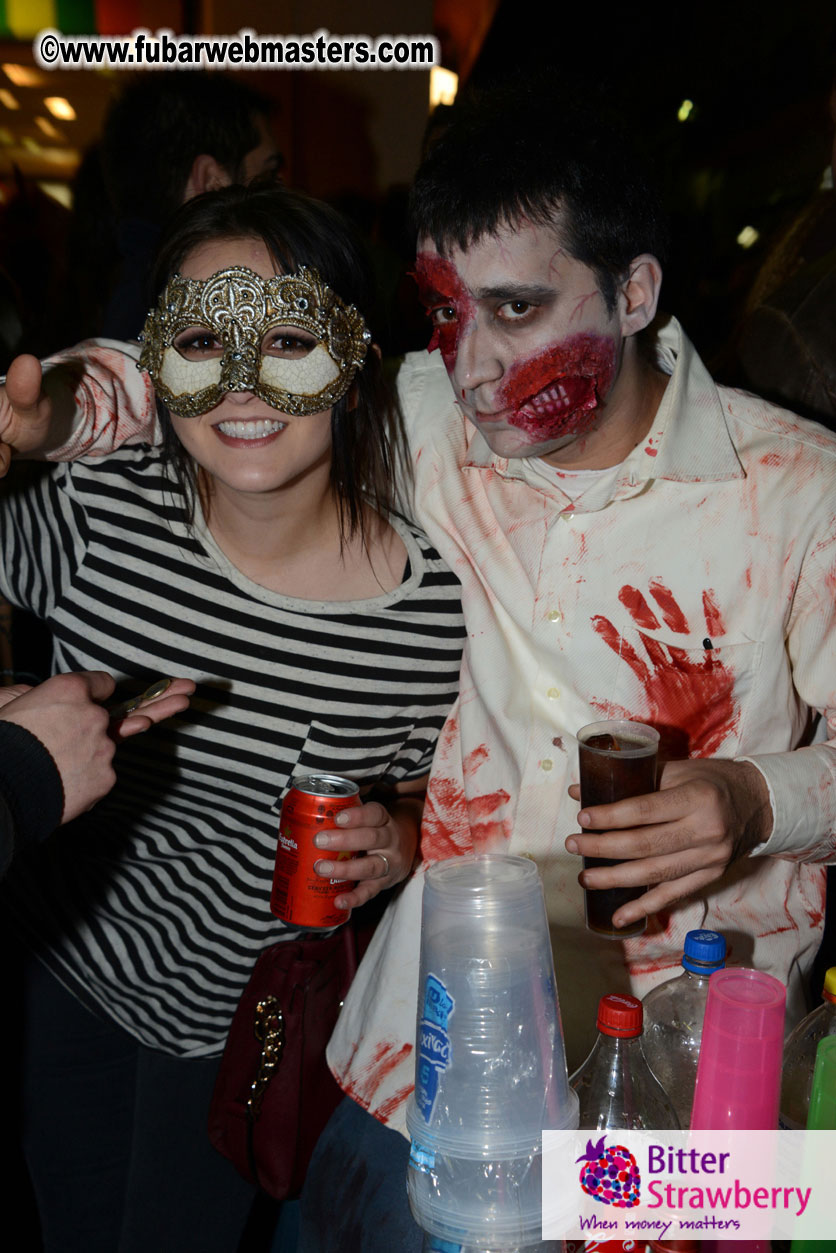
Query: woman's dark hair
(530,152)
(368,461)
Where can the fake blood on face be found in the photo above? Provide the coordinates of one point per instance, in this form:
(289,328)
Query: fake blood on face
(557,391)
(439,284)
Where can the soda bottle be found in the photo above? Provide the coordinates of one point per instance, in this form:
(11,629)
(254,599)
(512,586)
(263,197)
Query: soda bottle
(821,1117)
(673,1014)
(615,1085)
(800,1057)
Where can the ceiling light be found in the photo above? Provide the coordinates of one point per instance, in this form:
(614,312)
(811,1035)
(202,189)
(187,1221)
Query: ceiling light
(61,108)
(48,129)
(23,75)
(443,86)
(748,236)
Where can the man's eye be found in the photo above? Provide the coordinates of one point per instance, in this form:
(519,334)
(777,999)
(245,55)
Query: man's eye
(194,344)
(514,310)
(441,315)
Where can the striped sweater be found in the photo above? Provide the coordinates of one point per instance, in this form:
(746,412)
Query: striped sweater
(154,906)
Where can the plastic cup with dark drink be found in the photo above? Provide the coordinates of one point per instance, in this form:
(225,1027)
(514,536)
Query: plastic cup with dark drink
(617,761)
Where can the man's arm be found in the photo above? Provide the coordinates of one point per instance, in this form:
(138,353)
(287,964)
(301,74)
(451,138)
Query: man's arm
(709,813)
(90,400)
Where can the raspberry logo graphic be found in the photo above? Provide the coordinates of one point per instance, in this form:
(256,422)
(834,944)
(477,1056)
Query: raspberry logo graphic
(610,1175)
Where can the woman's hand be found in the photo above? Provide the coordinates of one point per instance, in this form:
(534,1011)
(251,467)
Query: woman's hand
(385,837)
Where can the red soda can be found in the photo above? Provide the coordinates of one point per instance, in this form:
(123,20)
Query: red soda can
(300,897)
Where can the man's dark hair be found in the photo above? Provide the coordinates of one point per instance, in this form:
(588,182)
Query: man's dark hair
(160,123)
(526,153)
(368,461)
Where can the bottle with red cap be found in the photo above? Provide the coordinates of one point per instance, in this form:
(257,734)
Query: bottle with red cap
(615,1085)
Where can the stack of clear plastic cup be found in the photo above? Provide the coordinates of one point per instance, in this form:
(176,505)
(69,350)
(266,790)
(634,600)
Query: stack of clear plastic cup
(739,1071)
(490,1068)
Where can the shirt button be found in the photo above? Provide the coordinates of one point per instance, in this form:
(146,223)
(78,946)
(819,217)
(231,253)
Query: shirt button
(554,615)
(553,693)
(546,764)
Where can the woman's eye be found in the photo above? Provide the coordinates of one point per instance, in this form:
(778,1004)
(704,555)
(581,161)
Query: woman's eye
(284,344)
(513,310)
(441,315)
(193,344)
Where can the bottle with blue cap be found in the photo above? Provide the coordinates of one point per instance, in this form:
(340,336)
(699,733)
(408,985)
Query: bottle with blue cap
(673,1017)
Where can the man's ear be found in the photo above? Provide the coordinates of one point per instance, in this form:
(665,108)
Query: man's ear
(206,174)
(639,294)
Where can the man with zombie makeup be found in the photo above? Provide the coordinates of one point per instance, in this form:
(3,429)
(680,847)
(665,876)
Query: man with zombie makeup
(632,541)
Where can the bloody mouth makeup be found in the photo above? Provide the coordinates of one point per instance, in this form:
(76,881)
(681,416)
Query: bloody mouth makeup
(439,285)
(558,390)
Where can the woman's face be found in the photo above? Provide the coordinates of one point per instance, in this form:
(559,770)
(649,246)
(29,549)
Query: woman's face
(243,442)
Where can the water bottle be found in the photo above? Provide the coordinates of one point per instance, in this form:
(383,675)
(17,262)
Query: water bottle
(800,1057)
(615,1085)
(673,1014)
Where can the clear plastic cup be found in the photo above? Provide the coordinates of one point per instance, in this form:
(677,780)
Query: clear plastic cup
(483,1201)
(479,1201)
(739,1072)
(616,761)
(490,1062)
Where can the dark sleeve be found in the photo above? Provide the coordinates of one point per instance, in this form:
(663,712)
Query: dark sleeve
(31,794)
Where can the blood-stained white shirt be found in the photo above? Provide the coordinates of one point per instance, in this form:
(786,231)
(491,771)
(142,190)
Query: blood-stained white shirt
(720,526)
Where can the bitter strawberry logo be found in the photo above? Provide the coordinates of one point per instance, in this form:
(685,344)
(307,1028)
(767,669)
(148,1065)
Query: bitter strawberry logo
(610,1175)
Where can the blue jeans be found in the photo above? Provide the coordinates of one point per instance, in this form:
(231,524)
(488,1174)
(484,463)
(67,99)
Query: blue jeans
(354,1198)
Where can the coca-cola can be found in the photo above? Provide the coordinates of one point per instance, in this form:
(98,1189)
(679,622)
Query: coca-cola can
(301,897)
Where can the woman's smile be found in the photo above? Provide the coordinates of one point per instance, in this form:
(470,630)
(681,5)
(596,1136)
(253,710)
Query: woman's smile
(253,432)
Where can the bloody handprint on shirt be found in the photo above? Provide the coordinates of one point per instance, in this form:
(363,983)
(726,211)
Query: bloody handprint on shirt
(455,821)
(688,696)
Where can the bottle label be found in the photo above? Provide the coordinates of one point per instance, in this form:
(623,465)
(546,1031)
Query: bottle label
(434,1050)
(420,1158)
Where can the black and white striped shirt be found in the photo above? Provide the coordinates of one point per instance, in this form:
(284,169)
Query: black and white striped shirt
(155,905)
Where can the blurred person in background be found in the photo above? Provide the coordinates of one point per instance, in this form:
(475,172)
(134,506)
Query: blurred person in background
(787,339)
(166,138)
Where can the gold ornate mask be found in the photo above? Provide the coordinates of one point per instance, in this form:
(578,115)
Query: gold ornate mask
(239,308)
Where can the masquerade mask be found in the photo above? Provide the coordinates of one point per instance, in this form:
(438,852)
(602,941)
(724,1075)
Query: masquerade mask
(238,308)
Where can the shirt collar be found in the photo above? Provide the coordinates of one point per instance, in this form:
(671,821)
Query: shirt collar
(689,441)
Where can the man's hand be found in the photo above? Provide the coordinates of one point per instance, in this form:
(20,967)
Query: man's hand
(706,814)
(25,412)
(67,715)
(172,701)
(387,835)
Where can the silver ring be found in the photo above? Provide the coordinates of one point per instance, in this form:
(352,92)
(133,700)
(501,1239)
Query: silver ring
(385,861)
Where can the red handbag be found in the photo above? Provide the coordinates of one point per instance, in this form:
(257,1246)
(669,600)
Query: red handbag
(274,1092)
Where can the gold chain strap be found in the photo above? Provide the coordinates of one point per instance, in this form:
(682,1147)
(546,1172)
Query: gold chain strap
(269,1029)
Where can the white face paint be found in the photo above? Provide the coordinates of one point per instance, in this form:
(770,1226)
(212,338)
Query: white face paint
(288,339)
